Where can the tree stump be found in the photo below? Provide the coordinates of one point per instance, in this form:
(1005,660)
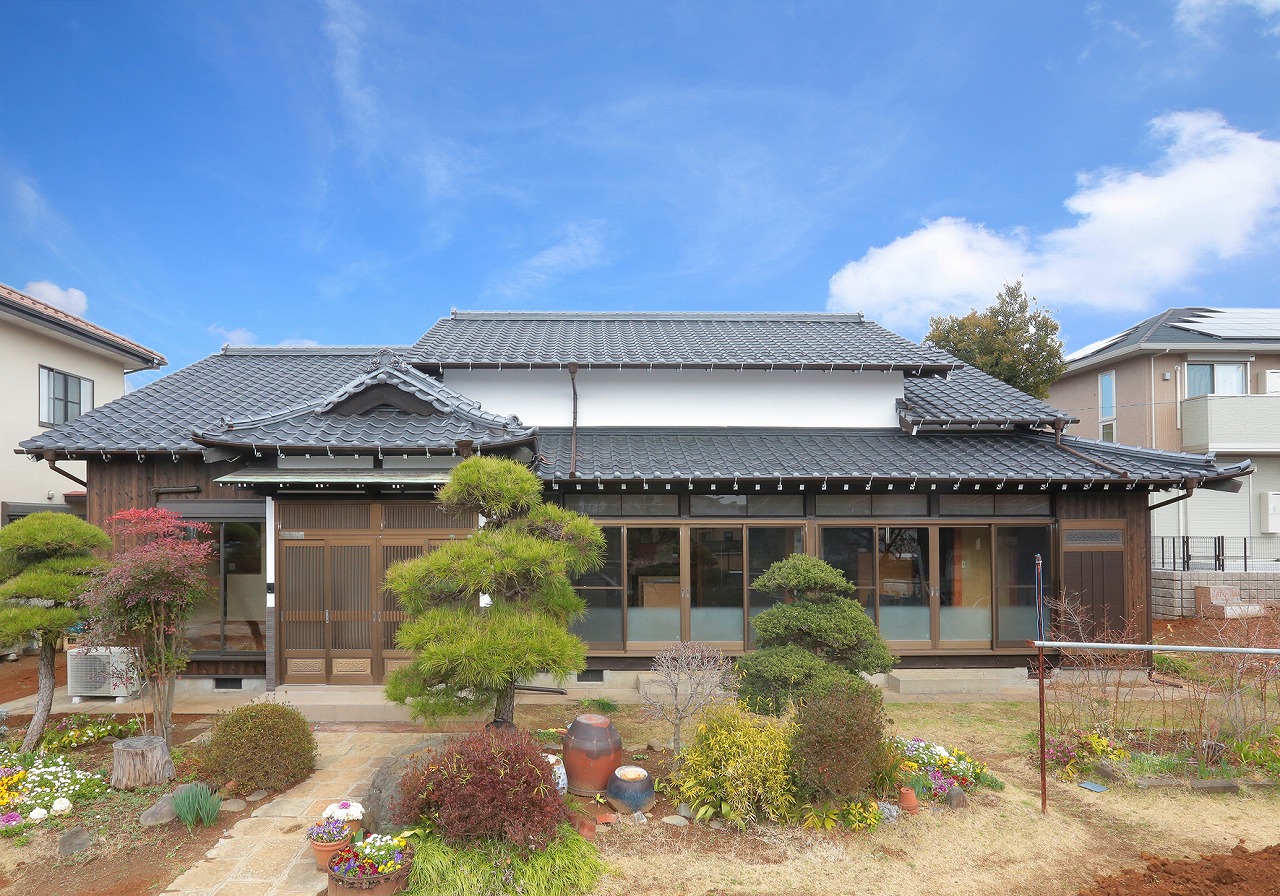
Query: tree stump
(140,762)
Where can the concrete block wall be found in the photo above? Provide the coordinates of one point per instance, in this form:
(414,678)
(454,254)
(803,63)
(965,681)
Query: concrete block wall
(1173,592)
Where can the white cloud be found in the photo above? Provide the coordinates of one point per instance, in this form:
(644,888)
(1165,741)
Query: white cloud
(72,301)
(1213,195)
(345,27)
(581,247)
(1194,14)
(235,336)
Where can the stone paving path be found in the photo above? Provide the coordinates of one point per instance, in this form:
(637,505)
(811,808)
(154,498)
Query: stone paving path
(267,853)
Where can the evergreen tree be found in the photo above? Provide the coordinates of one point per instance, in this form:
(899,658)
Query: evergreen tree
(1014,340)
(45,563)
(524,559)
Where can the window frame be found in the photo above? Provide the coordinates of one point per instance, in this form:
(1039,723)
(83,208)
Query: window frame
(1213,366)
(48,399)
(1107,422)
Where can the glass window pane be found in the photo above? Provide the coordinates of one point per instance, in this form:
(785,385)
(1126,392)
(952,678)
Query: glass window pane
(204,627)
(1016,549)
(602,626)
(844,505)
(904,579)
(1022,505)
(1199,379)
(965,589)
(1228,379)
(900,505)
(610,574)
(966,505)
(1107,395)
(653,584)
(852,551)
(650,505)
(766,545)
(718,505)
(86,396)
(1108,432)
(775,505)
(594,505)
(243,552)
(716,591)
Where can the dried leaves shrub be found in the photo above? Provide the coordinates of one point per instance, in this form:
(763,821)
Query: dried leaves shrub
(838,745)
(493,784)
(260,745)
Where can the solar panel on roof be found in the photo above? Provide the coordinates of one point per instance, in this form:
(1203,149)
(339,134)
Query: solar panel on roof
(1233,323)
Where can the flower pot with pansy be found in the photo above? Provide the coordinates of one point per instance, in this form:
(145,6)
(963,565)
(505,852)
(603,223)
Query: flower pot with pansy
(376,866)
(348,812)
(326,838)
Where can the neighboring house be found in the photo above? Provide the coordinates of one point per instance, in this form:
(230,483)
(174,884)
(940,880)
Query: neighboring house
(54,367)
(707,446)
(1201,380)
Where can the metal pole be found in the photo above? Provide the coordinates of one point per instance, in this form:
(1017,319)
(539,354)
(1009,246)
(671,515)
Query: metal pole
(1044,773)
(1160,648)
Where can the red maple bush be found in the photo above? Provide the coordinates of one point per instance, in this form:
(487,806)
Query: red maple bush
(493,784)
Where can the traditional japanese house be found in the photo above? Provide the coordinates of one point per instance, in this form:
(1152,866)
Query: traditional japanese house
(707,446)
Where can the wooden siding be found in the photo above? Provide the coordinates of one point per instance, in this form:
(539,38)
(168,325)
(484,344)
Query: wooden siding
(122,482)
(1131,509)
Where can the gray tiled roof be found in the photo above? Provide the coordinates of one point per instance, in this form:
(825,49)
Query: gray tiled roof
(439,417)
(1176,327)
(789,454)
(491,339)
(237,383)
(969,396)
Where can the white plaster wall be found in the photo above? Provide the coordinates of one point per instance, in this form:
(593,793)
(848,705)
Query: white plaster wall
(782,398)
(23,350)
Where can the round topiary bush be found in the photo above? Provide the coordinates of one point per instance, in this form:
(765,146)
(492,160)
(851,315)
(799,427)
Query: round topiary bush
(770,680)
(266,746)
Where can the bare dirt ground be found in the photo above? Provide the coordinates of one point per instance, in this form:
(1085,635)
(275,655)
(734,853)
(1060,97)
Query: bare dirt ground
(1001,844)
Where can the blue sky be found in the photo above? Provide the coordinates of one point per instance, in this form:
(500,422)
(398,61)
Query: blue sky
(189,174)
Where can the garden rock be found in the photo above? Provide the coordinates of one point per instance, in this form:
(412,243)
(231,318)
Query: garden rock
(183,788)
(635,818)
(161,813)
(889,813)
(257,796)
(684,810)
(232,805)
(957,798)
(717,825)
(657,745)
(1215,785)
(73,841)
(1109,771)
(384,789)
(676,821)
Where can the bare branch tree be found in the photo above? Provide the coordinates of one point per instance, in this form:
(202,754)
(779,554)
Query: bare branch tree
(690,677)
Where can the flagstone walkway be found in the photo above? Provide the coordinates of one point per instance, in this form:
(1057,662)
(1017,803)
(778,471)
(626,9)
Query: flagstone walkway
(267,853)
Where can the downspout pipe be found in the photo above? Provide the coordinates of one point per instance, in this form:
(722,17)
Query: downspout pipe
(573,430)
(1058,427)
(53,465)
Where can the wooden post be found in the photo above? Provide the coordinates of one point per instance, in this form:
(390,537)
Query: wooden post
(140,762)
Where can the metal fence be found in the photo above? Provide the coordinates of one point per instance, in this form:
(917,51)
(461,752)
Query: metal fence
(1225,553)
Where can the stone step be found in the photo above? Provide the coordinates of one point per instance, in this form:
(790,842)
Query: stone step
(1233,611)
(954,681)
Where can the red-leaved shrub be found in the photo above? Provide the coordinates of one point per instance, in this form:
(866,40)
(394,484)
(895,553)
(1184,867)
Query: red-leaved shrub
(491,784)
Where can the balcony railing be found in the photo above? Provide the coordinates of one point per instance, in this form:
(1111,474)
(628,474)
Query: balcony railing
(1225,553)
(1235,423)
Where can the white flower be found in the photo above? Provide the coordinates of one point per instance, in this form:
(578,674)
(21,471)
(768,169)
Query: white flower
(38,814)
(345,811)
(61,806)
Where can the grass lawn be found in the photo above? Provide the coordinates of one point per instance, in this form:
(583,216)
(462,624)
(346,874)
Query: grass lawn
(1001,844)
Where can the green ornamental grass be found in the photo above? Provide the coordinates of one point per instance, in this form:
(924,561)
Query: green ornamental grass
(196,803)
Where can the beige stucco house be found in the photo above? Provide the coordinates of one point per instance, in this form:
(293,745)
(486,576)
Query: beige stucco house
(54,367)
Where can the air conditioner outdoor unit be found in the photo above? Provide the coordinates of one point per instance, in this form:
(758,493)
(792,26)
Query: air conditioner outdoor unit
(101,672)
(1269,381)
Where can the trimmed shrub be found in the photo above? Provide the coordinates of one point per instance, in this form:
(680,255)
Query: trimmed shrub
(839,741)
(737,768)
(260,745)
(493,784)
(770,680)
(836,629)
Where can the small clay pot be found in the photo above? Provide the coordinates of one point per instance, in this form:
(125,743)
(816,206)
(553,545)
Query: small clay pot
(908,801)
(630,790)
